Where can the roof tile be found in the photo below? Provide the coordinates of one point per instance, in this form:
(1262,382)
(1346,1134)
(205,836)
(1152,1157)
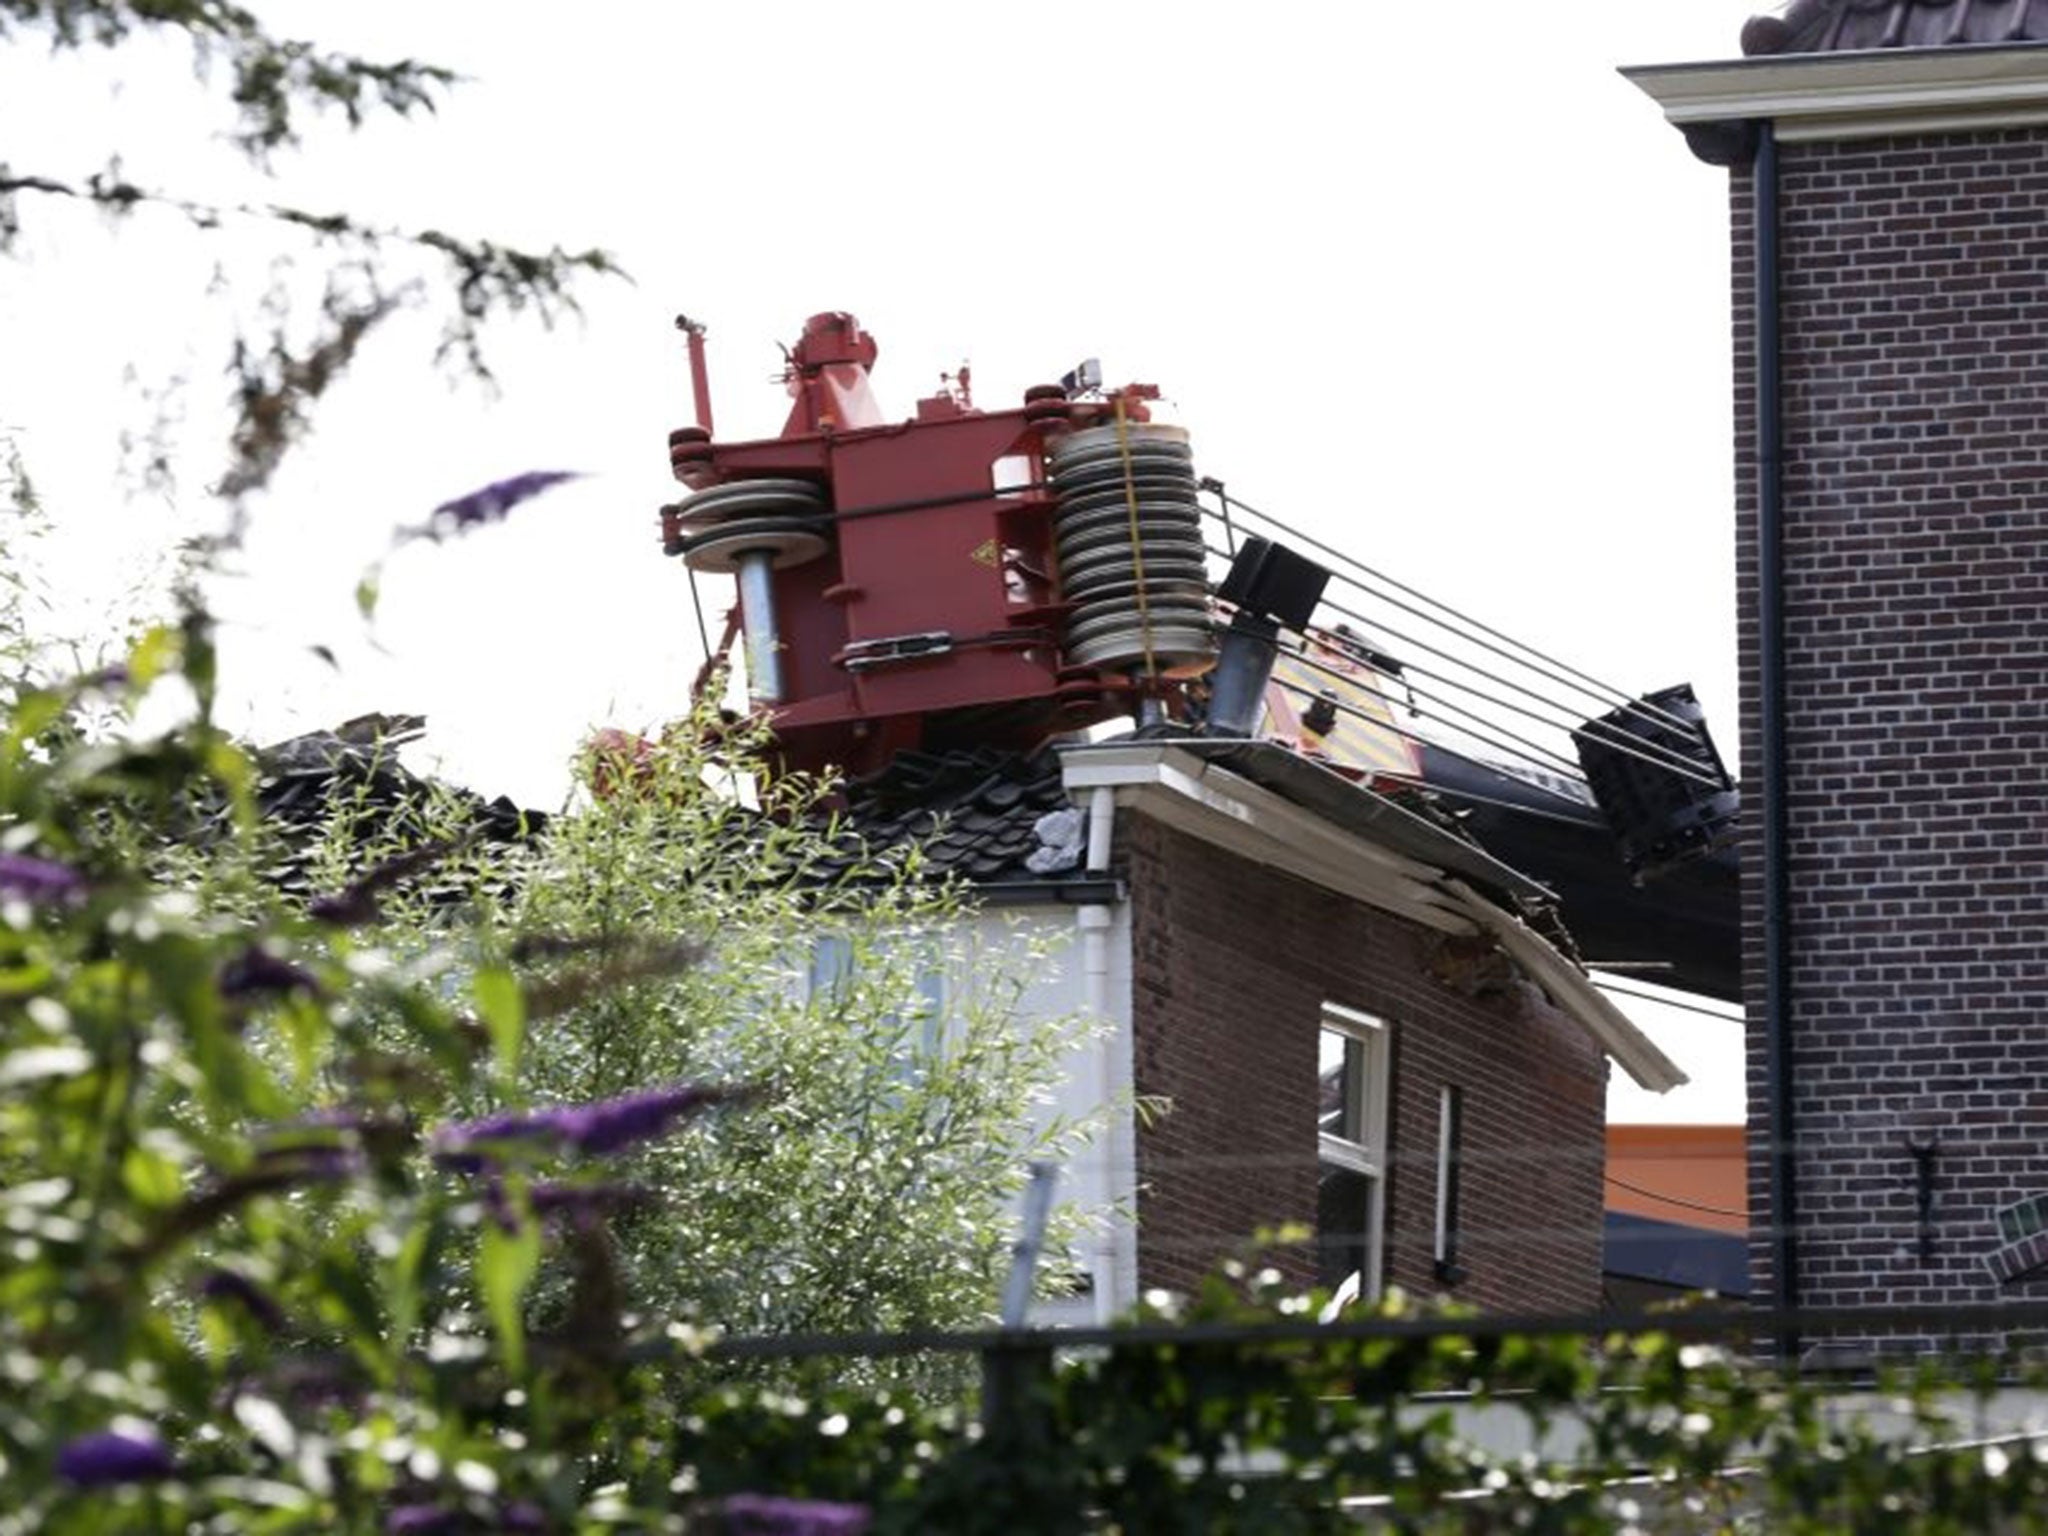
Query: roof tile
(973,812)
(1840,26)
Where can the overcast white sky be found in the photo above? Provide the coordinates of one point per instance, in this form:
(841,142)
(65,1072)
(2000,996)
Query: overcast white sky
(1429,281)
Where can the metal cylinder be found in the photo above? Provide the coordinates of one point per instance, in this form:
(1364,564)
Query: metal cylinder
(1127,535)
(749,529)
(755,569)
(1237,688)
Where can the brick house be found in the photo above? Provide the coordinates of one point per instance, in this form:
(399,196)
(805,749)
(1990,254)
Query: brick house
(1888,196)
(1353,1028)
(1364,1023)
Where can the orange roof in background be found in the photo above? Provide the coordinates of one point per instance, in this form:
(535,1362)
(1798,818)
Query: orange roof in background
(1695,1175)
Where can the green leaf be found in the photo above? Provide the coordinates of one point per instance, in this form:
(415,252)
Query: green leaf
(305,1026)
(367,587)
(404,1284)
(151,1178)
(506,1263)
(34,713)
(153,655)
(230,765)
(501,1004)
(25,980)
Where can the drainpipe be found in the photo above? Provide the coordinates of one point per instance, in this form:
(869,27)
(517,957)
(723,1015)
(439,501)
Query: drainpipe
(1119,1278)
(1771,689)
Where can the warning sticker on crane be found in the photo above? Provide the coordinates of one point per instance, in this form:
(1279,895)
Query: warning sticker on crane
(1328,702)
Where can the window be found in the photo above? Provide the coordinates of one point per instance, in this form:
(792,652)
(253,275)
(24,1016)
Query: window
(841,976)
(1351,1150)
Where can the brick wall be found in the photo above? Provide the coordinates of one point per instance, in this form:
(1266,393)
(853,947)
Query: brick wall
(1914,308)
(1231,964)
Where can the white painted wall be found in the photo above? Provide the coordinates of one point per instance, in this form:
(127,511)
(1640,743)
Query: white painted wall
(1098,1179)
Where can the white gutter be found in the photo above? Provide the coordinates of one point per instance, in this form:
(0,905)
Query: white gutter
(1858,94)
(1116,1283)
(1209,802)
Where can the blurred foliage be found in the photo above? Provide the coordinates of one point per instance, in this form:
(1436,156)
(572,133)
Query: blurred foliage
(335,274)
(420,1206)
(272,80)
(249,1244)
(428,1215)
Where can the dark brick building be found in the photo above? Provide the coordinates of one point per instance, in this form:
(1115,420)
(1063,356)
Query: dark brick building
(1341,1015)
(1356,1034)
(1235,965)
(1888,165)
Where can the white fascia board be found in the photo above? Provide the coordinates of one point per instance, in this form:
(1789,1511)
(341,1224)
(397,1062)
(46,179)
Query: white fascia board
(1405,898)
(1218,807)
(1861,94)
(1573,991)
(1230,795)
(1215,805)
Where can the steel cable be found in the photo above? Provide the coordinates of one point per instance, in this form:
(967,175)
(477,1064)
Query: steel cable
(1531,751)
(1622,742)
(1565,674)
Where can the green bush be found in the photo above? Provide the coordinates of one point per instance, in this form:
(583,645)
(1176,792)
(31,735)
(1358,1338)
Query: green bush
(323,1219)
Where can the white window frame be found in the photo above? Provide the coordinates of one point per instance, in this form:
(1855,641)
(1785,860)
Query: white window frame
(1368,1154)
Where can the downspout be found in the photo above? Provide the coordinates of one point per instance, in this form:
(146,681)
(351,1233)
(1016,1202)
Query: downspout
(1097,920)
(1771,689)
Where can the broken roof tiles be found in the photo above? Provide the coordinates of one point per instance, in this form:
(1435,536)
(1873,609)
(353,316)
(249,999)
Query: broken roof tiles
(354,772)
(984,815)
(1841,26)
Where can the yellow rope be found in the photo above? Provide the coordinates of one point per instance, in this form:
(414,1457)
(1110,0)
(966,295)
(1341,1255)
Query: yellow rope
(1123,444)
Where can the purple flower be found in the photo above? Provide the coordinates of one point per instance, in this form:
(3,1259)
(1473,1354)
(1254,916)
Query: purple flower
(423,1520)
(105,679)
(615,1124)
(492,501)
(356,903)
(577,1202)
(39,881)
(111,1457)
(308,1163)
(319,1127)
(611,1125)
(350,907)
(256,972)
(466,1146)
(440,1520)
(754,1514)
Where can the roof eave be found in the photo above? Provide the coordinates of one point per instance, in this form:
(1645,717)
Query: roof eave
(1820,96)
(1572,990)
(1208,800)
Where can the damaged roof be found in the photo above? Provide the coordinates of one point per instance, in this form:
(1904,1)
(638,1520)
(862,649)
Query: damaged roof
(985,815)
(1843,26)
(353,772)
